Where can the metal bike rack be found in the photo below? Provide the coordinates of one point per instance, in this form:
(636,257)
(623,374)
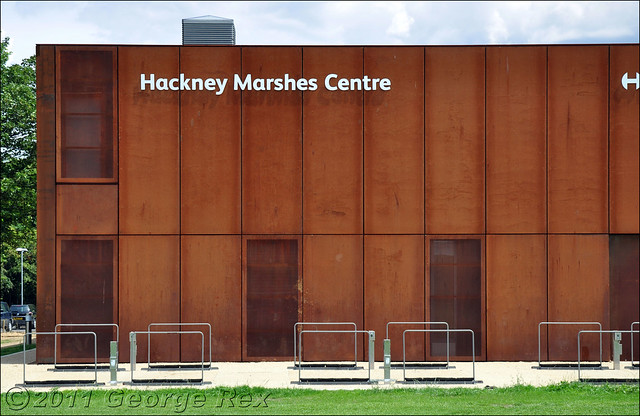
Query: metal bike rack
(567,365)
(74,382)
(355,339)
(440,379)
(604,380)
(337,380)
(635,365)
(422,365)
(75,366)
(169,380)
(177,365)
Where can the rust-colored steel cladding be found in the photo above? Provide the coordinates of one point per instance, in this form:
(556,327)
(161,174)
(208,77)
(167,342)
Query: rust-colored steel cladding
(46,205)
(149,144)
(577,292)
(492,186)
(516,295)
(210,291)
(272,145)
(454,135)
(87,209)
(332,131)
(210,144)
(149,293)
(624,142)
(394,290)
(332,292)
(577,139)
(394,142)
(516,140)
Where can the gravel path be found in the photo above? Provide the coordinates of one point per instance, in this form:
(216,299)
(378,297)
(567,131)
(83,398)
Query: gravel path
(284,375)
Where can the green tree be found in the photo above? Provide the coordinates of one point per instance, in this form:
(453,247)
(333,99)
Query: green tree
(18,203)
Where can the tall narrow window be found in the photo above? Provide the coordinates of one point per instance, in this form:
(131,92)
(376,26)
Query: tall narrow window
(455,294)
(86,296)
(272,297)
(86,109)
(624,255)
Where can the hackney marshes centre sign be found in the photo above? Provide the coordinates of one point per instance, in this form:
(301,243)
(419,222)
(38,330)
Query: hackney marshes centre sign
(331,82)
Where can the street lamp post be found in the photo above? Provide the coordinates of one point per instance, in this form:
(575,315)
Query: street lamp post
(21,250)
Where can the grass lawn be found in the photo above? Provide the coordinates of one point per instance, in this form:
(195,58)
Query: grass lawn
(16,348)
(565,398)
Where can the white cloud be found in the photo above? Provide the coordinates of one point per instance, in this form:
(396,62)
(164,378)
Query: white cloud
(401,22)
(570,22)
(322,23)
(28,26)
(497,30)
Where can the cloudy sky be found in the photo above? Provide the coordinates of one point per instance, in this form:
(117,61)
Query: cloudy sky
(28,23)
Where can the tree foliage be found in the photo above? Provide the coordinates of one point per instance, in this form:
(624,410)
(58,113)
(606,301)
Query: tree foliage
(18,203)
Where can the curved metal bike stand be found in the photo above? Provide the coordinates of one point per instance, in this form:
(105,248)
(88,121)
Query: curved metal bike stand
(176,365)
(336,380)
(567,364)
(78,366)
(296,363)
(471,379)
(425,364)
(167,380)
(604,380)
(64,381)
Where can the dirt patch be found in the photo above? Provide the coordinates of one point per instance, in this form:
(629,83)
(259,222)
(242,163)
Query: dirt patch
(8,339)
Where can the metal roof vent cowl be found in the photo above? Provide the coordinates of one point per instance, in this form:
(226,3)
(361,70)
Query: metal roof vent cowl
(208,30)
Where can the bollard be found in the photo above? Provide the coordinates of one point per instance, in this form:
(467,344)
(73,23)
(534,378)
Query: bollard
(372,351)
(133,350)
(113,361)
(27,328)
(617,349)
(387,360)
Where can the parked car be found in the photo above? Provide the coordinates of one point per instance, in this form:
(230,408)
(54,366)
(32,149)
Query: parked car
(19,314)
(7,320)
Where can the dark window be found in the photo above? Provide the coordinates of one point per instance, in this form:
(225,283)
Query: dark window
(272,297)
(86,295)
(86,114)
(624,258)
(455,294)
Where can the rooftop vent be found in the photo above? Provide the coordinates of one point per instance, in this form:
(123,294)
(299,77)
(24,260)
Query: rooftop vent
(208,30)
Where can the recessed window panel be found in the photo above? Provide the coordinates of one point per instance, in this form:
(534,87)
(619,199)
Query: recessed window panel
(455,279)
(83,163)
(86,296)
(272,297)
(86,116)
(83,103)
(624,261)
(82,131)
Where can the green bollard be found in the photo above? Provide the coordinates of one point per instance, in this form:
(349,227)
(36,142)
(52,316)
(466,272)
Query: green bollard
(113,362)
(617,349)
(133,350)
(387,360)
(372,351)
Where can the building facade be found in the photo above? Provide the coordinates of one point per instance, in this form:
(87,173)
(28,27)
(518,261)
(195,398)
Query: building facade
(253,187)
